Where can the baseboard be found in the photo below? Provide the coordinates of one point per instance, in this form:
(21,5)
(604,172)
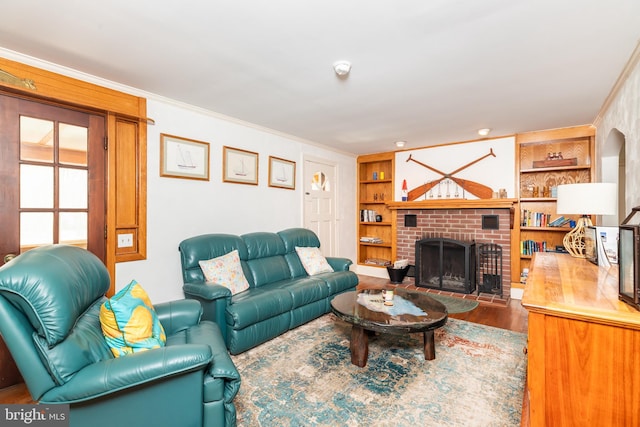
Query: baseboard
(380,272)
(517,289)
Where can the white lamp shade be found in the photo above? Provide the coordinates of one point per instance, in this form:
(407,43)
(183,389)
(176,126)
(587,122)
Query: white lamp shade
(591,198)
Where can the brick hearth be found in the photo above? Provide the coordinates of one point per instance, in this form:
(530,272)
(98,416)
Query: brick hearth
(459,224)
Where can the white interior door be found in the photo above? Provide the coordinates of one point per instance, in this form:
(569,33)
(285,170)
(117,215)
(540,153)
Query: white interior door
(320,202)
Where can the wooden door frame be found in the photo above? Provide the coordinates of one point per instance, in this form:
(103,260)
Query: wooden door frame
(126,128)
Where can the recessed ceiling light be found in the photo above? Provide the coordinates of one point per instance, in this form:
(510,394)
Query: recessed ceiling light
(342,68)
(484,132)
(400,143)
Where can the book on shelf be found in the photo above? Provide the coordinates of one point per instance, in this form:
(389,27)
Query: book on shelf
(534,219)
(528,247)
(557,222)
(562,223)
(365,239)
(377,261)
(368,215)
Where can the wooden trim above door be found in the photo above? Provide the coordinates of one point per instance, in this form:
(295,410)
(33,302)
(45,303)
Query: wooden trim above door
(71,91)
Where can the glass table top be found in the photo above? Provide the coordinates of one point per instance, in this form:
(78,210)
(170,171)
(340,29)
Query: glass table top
(412,311)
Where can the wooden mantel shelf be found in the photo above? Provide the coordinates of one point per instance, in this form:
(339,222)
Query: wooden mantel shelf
(454,204)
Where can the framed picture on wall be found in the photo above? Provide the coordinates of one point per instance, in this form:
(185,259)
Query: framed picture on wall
(183,158)
(239,166)
(282,173)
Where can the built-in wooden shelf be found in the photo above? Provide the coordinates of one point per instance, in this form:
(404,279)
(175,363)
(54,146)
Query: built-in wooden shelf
(373,194)
(556,168)
(564,229)
(380,245)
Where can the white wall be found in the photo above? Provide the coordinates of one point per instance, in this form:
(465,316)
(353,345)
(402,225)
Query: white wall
(181,208)
(496,172)
(623,114)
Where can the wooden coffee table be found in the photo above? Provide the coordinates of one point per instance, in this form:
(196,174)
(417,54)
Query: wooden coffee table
(349,307)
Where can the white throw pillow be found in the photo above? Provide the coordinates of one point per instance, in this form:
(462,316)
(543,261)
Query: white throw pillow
(313,261)
(225,270)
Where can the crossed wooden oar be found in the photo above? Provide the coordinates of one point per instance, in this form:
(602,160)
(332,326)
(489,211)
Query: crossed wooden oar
(479,190)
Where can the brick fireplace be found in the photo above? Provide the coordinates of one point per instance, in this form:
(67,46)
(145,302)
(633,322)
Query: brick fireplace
(418,220)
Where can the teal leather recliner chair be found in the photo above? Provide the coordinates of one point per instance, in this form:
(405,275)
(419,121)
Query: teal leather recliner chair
(50,299)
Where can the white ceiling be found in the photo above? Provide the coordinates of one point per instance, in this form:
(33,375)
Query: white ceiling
(424,71)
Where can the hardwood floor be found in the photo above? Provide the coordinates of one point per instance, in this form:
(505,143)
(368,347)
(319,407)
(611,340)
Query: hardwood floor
(15,394)
(511,316)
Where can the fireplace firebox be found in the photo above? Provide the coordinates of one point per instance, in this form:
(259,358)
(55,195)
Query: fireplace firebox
(446,264)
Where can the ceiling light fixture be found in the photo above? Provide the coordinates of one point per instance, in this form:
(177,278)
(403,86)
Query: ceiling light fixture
(342,68)
(484,132)
(400,144)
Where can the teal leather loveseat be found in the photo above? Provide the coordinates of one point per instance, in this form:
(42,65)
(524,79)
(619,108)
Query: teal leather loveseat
(281,295)
(50,299)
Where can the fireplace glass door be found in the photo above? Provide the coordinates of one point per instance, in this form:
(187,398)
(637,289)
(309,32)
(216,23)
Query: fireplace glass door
(446,264)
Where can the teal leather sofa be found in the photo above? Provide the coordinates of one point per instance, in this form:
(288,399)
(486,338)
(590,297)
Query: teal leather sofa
(281,296)
(50,299)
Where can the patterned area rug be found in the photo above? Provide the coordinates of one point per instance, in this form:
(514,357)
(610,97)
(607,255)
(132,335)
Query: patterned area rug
(305,378)
(454,304)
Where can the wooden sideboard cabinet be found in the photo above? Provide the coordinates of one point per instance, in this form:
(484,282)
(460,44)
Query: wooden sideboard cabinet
(584,346)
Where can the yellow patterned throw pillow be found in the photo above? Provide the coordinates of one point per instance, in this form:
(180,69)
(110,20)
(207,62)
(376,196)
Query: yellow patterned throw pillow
(225,270)
(130,323)
(313,261)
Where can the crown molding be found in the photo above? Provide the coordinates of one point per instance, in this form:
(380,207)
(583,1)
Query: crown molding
(630,66)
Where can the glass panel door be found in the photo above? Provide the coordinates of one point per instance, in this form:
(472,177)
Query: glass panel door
(53,174)
(53,198)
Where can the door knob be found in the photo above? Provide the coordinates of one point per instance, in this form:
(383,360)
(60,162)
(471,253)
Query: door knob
(9,257)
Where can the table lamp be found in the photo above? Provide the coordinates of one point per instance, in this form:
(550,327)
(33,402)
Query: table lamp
(590,198)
